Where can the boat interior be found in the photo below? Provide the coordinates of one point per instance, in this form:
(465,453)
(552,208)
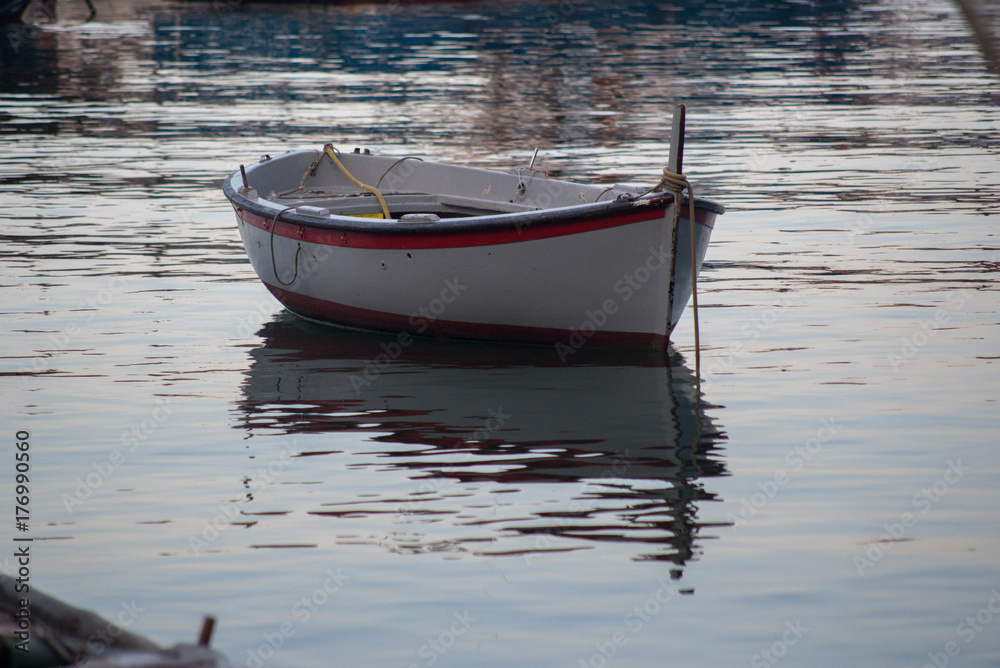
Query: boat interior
(413,190)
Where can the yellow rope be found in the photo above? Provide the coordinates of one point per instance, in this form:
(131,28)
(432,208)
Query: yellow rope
(676,183)
(328,149)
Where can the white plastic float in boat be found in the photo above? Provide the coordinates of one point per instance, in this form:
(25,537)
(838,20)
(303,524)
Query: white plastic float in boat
(417,247)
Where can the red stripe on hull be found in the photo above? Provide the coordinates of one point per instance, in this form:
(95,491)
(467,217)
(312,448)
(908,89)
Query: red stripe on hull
(427,325)
(445,238)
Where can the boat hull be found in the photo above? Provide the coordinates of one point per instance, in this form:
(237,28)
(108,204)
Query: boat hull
(617,276)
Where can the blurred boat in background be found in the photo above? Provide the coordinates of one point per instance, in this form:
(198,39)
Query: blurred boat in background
(11,10)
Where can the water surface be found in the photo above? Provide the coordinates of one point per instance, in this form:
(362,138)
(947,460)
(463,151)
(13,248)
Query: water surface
(828,498)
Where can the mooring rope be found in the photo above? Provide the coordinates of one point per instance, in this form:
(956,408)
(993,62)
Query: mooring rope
(676,184)
(310,171)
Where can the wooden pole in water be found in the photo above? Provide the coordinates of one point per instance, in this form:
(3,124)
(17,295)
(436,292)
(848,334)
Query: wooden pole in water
(207,626)
(676,159)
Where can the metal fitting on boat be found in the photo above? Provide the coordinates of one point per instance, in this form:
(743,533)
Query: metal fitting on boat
(419,218)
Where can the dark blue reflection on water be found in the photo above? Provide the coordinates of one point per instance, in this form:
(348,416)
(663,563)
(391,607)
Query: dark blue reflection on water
(547,71)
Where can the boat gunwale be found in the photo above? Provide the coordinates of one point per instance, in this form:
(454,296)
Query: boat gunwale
(474,223)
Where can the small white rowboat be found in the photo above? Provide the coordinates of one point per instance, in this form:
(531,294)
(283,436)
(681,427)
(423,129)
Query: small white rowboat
(415,247)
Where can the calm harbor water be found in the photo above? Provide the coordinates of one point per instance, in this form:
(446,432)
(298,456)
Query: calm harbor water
(829,499)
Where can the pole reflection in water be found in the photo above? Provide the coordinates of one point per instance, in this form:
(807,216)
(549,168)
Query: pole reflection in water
(505,450)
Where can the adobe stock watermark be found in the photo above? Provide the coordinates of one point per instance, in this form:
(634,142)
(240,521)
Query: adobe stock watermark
(625,289)
(62,339)
(420,321)
(865,222)
(758,325)
(633,622)
(796,459)
(99,641)
(130,441)
(380,22)
(301,611)
(229,513)
(543,541)
(494,422)
(910,346)
(249,324)
(214,527)
(437,646)
(762,157)
(967,630)
(922,503)
(20,34)
(547,192)
(226,6)
(563,11)
(773,653)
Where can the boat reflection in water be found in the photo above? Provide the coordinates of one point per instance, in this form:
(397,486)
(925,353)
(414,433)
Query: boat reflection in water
(503,449)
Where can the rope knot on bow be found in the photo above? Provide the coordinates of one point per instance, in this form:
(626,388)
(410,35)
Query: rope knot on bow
(676,183)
